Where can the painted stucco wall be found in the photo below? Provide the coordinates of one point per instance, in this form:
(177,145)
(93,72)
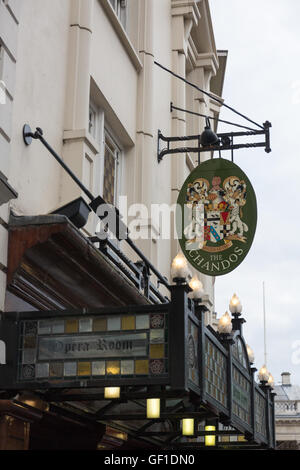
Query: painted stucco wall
(10,12)
(73,50)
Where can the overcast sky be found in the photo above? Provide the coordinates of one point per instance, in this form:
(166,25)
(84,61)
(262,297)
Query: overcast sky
(263,81)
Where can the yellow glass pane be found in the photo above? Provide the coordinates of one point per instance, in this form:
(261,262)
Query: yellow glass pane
(156,351)
(225,438)
(100,324)
(71,326)
(113,367)
(84,368)
(242,439)
(128,323)
(141,366)
(29,342)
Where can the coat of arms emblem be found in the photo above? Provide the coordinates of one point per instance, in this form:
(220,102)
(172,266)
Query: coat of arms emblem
(215,213)
(216,218)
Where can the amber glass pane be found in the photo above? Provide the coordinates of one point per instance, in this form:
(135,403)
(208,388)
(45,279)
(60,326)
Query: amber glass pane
(141,366)
(100,324)
(71,326)
(156,351)
(128,323)
(113,367)
(109,172)
(84,368)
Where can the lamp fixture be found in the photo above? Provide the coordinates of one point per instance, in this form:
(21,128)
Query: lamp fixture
(235,305)
(263,374)
(210,439)
(225,325)
(112,393)
(250,354)
(197,288)
(188,426)
(77,212)
(179,269)
(208,138)
(153,408)
(271,381)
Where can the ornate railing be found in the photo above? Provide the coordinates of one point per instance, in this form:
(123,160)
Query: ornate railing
(164,346)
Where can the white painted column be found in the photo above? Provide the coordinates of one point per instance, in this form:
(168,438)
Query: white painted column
(9,24)
(79,150)
(144,157)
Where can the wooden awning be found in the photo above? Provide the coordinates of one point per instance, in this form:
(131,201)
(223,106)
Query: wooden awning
(52,265)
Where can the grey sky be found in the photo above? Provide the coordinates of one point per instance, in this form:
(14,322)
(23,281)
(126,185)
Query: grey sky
(263,82)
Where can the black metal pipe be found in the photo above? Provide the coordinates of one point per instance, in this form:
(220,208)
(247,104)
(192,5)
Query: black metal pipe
(210,117)
(208,94)
(222,134)
(208,149)
(39,135)
(65,167)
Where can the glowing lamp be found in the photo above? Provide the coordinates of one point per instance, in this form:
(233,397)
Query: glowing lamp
(179,268)
(225,325)
(188,427)
(210,439)
(235,305)
(197,288)
(263,374)
(250,354)
(153,408)
(271,381)
(111,392)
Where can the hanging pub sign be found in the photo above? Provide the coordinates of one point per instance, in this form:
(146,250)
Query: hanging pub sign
(217,219)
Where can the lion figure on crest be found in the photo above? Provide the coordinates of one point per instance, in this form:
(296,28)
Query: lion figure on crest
(235,196)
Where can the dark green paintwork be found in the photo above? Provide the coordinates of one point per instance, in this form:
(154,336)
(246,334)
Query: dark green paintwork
(217,263)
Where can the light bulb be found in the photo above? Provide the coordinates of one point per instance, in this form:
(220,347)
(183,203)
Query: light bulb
(153,408)
(188,427)
(210,440)
(225,325)
(235,305)
(250,354)
(111,392)
(197,287)
(263,374)
(271,380)
(179,268)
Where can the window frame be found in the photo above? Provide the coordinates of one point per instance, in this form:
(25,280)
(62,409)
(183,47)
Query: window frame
(103,130)
(120,9)
(94,110)
(107,133)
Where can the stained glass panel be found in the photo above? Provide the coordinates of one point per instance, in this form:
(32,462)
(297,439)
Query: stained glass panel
(216,378)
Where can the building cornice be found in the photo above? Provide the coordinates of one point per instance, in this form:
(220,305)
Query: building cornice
(81,135)
(186,8)
(290,420)
(207,60)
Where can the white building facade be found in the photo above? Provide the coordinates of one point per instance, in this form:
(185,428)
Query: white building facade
(287,414)
(84,72)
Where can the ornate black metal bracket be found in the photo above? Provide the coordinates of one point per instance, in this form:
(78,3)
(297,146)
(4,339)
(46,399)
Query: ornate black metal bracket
(225,142)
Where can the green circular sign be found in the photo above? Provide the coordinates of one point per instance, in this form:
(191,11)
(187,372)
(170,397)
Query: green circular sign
(217,216)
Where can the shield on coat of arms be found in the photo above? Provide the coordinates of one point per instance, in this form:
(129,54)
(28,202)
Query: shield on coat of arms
(213,222)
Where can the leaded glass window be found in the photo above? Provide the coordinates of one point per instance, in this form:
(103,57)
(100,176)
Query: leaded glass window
(110,175)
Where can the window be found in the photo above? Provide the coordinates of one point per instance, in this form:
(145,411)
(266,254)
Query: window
(110,170)
(108,164)
(120,8)
(92,120)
